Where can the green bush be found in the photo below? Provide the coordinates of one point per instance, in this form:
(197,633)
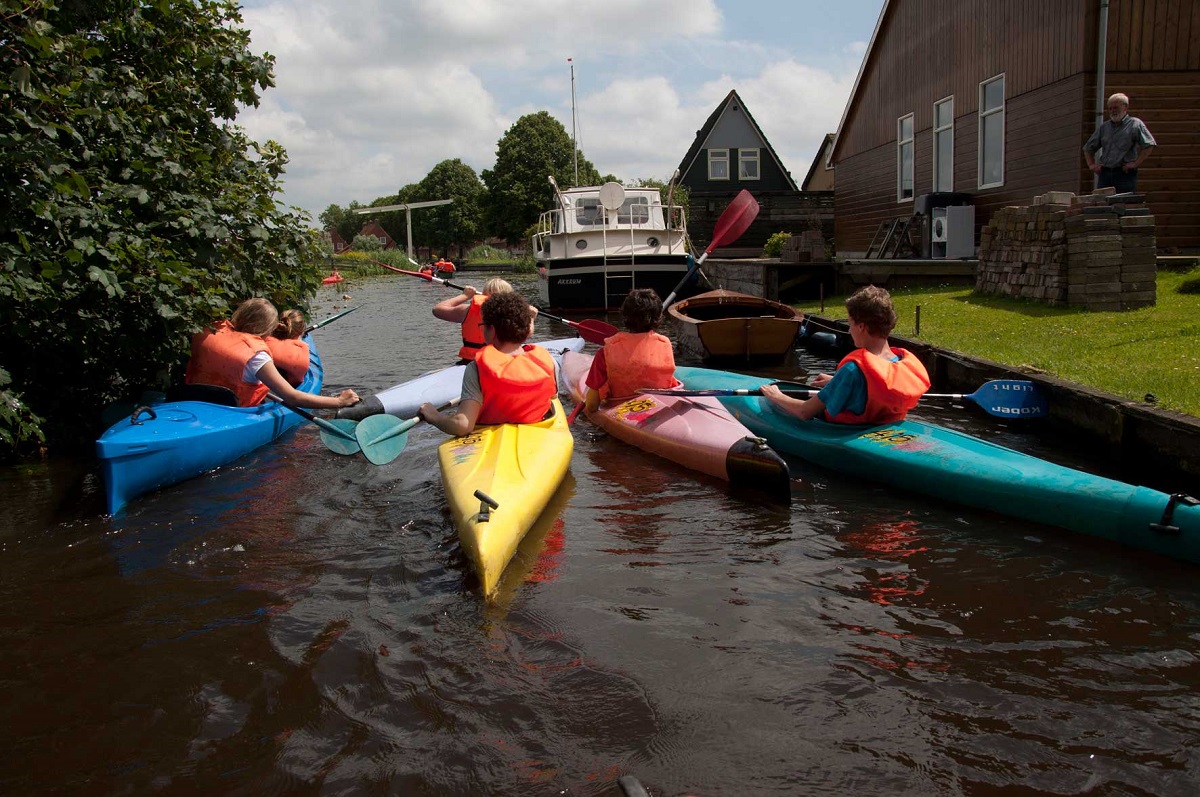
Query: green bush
(19,428)
(774,247)
(136,211)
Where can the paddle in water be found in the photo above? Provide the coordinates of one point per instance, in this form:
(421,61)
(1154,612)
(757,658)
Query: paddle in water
(383,437)
(591,330)
(1004,398)
(736,219)
(337,434)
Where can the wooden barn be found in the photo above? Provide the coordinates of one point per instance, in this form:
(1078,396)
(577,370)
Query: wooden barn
(731,152)
(995,99)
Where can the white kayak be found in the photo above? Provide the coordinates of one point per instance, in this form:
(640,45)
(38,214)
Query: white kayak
(439,387)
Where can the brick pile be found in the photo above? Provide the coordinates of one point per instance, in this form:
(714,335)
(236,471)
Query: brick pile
(1095,251)
(808,246)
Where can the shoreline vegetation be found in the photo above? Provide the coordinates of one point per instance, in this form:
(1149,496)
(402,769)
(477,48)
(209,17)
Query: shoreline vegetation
(1150,351)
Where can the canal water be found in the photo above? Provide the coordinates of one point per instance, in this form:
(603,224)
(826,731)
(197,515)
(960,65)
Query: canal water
(302,623)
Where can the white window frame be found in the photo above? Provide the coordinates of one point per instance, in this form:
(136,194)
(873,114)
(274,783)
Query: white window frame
(718,156)
(1003,130)
(743,159)
(901,143)
(937,153)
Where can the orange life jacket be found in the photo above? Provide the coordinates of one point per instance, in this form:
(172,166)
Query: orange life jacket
(635,360)
(516,388)
(893,388)
(472,333)
(219,356)
(290,357)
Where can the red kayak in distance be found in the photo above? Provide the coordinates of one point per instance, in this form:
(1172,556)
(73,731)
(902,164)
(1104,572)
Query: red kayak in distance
(333,279)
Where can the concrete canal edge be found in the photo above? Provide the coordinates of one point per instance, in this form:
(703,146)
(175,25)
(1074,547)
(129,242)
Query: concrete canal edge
(1142,442)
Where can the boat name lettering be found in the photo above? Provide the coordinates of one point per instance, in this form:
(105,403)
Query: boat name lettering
(890,437)
(570,281)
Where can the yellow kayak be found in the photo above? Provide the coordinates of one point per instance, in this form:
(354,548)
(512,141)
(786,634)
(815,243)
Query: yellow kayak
(515,469)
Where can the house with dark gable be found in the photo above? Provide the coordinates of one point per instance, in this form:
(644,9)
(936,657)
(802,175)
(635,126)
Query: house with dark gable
(731,153)
(994,100)
(373,229)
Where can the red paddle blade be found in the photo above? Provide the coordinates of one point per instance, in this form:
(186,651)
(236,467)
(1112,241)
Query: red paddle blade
(594,331)
(736,219)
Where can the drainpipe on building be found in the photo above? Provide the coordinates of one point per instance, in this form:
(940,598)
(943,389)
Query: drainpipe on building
(1101,55)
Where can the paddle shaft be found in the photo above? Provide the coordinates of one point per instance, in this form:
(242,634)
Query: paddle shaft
(733,222)
(320,324)
(591,330)
(1005,398)
(308,416)
(407,424)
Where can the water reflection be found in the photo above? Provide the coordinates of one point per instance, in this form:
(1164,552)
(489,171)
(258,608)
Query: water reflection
(301,623)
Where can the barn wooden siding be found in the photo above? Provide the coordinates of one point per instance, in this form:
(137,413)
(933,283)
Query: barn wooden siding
(931,49)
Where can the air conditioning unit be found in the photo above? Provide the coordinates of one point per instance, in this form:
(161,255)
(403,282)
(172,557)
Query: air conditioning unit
(937,233)
(952,232)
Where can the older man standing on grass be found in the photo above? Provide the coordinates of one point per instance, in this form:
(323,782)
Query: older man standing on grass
(1124,143)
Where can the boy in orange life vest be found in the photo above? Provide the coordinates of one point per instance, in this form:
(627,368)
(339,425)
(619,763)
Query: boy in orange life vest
(288,352)
(465,308)
(234,354)
(635,359)
(875,383)
(507,382)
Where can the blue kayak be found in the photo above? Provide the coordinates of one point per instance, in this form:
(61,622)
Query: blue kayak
(171,441)
(928,459)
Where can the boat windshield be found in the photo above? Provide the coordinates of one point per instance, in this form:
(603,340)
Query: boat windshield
(634,210)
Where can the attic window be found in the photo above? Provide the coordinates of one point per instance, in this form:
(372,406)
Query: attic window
(748,164)
(718,164)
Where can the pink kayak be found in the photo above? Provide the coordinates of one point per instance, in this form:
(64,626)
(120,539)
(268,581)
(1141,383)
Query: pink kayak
(698,433)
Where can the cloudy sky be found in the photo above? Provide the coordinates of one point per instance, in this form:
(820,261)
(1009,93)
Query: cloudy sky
(371,94)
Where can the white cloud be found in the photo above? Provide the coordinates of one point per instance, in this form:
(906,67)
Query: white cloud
(371,95)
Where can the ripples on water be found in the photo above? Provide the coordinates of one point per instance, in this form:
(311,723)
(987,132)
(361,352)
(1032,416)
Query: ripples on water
(300,623)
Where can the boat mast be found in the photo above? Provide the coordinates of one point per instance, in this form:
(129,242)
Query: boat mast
(574,142)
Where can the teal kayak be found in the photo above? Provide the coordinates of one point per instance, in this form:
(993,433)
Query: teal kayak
(166,442)
(932,460)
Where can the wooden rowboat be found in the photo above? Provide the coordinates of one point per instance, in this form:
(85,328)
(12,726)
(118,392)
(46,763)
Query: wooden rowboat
(727,325)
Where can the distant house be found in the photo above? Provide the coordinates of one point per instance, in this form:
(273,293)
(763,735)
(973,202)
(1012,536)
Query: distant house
(337,241)
(730,152)
(995,99)
(373,229)
(820,173)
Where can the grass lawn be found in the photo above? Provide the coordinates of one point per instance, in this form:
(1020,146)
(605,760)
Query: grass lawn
(1129,354)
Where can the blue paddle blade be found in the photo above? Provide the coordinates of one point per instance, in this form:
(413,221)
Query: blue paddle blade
(336,442)
(383,437)
(1011,398)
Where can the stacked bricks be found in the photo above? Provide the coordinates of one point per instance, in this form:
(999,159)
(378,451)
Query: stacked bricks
(1095,251)
(808,246)
(1110,252)
(1022,253)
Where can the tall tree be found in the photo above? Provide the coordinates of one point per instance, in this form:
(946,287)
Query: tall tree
(134,210)
(535,147)
(457,223)
(344,220)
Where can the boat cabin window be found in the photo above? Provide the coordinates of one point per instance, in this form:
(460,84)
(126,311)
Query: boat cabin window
(634,210)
